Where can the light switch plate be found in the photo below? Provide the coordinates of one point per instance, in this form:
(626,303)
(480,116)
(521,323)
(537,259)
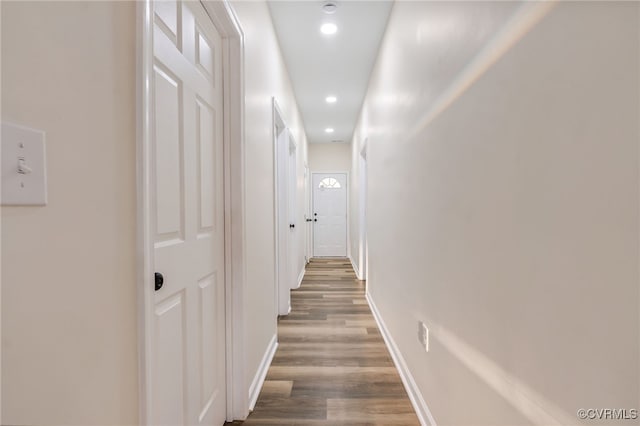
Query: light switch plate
(28,188)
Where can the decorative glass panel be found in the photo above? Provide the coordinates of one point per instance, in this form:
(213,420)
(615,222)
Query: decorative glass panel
(329,183)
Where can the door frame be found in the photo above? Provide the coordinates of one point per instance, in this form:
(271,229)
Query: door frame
(281,236)
(293,251)
(348,183)
(363,248)
(308,215)
(225,21)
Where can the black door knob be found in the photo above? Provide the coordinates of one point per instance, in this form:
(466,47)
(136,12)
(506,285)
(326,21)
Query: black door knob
(292,225)
(159,281)
(309,220)
(315,220)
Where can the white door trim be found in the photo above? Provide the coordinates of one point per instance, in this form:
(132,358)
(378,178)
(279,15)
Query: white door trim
(348,179)
(363,250)
(144,111)
(293,250)
(227,24)
(308,216)
(281,188)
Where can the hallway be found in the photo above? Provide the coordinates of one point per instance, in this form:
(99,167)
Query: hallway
(466,172)
(332,366)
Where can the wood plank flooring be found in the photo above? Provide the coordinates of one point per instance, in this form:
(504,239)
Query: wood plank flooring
(332,366)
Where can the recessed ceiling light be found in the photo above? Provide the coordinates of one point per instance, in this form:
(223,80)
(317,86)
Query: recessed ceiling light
(329,8)
(331,99)
(329,28)
(329,130)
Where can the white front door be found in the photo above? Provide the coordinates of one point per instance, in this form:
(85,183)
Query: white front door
(330,214)
(188,335)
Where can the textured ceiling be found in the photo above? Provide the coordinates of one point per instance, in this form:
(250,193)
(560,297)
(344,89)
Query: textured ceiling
(320,65)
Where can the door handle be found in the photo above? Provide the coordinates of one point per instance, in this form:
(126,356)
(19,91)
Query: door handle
(292,225)
(309,220)
(315,220)
(159,281)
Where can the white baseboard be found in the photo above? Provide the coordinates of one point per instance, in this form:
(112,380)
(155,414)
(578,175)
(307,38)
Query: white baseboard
(355,268)
(258,380)
(300,277)
(424,415)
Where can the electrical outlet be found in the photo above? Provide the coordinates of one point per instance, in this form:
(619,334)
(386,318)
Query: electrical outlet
(423,335)
(426,337)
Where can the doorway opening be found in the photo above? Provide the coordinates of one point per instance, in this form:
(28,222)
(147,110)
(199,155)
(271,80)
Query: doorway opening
(189,157)
(286,229)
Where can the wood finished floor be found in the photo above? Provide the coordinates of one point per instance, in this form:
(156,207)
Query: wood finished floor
(332,366)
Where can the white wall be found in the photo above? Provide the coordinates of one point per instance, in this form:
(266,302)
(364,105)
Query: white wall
(503,205)
(329,157)
(265,77)
(68,269)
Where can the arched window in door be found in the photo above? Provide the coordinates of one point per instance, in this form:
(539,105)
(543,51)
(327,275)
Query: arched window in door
(329,183)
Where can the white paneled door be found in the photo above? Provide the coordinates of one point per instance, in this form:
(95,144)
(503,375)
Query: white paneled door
(329,214)
(188,338)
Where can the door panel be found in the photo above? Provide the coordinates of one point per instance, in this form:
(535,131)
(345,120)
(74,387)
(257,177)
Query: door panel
(330,214)
(210,340)
(189,343)
(166,18)
(168,378)
(168,148)
(205,117)
(204,54)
